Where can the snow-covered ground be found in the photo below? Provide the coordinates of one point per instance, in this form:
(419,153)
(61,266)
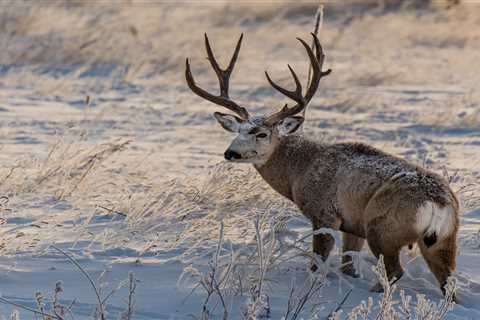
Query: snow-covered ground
(134,180)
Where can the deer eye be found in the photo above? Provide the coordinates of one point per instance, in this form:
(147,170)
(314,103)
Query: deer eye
(261,135)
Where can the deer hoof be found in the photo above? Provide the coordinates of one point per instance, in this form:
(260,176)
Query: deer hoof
(350,271)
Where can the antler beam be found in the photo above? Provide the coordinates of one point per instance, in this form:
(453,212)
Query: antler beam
(316,62)
(223,78)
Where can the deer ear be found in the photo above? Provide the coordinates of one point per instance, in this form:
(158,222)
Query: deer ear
(289,125)
(228,122)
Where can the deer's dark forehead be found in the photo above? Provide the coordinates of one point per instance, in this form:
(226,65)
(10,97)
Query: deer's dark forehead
(257,121)
(255,125)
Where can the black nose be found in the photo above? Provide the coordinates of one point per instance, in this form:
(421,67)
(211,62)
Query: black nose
(229,155)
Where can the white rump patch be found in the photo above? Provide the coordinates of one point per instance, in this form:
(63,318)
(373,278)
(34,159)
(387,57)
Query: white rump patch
(431,219)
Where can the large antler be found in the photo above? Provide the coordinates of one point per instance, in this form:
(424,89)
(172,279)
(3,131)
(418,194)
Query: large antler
(223,78)
(316,61)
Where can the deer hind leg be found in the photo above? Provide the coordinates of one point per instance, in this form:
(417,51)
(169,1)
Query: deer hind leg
(440,258)
(350,243)
(385,241)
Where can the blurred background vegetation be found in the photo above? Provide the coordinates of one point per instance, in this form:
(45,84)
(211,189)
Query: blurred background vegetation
(136,43)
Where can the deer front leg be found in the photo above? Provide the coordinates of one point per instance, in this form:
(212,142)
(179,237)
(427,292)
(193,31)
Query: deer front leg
(350,243)
(322,242)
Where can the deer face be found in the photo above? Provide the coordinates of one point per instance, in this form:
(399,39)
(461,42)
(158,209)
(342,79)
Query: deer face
(255,140)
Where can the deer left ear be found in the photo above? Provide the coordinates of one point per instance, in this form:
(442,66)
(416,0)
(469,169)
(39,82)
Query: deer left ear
(228,122)
(289,125)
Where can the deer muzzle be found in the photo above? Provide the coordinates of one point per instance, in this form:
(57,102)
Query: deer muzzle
(232,155)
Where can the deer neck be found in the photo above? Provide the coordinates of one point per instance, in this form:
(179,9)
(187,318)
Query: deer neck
(286,164)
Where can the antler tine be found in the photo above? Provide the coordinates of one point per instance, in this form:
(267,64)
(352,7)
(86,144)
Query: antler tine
(223,78)
(296,94)
(316,62)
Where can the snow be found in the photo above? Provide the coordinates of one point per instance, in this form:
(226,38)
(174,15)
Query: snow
(135,181)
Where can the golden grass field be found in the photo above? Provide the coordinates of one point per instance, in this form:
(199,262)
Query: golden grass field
(134,179)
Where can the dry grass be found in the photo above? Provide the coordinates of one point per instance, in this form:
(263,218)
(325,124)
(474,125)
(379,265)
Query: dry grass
(157,185)
(145,45)
(460,111)
(137,42)
(98,179)
(51,308)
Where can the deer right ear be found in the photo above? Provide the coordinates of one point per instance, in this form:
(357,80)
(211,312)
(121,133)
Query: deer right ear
(289,125)
(228,122)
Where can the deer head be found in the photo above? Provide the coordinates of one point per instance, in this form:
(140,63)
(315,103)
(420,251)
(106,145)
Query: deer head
(258,136)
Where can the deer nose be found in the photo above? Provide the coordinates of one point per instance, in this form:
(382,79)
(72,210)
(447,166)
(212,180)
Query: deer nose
(229,155)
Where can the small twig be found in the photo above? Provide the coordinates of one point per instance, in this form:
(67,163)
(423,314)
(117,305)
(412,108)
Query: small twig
(50,154)
(9,174)
(3,202)
(290,299)
(91,163)
(112,210)
(92,283)
(128,313)
(312,289)
(21,306)
(341,303)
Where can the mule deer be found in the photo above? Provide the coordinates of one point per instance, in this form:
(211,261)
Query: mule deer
(352,187)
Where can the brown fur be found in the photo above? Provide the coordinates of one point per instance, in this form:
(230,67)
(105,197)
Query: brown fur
(351,187)
(367,194)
